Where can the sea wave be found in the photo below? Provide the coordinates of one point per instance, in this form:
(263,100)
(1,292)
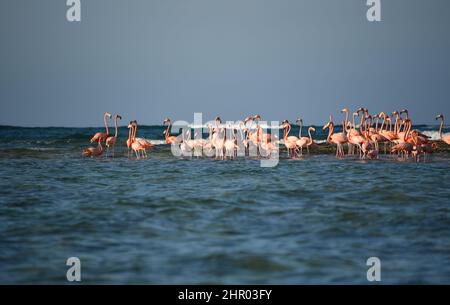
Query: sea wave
(433,134)
(158,142)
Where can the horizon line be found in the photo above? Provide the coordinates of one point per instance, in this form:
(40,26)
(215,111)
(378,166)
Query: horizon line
(161,125)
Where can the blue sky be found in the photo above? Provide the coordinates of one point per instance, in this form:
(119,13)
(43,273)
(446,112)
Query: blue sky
(148,59)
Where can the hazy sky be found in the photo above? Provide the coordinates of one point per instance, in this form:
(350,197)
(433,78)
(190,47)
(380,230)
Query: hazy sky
(148,59)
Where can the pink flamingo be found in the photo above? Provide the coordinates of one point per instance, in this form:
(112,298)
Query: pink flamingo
(375,136)
(262,136)
(268,147)
(142,142)
(304,141)
(446,138)
(219,144)
(111,141)
(169,139)
(405,111)
(403,146)
(352,131)
(246,130)
(230,144)
(217,141)
(130,137)
(134,145)
(356,138)
(427,149)
(208,147)
(185,148)
(93,151)
(337,138)
(366,147)
(289,141)
(388,134)
(101,136)
(199,144)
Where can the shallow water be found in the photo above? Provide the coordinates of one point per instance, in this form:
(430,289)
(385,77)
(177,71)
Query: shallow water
(184,221)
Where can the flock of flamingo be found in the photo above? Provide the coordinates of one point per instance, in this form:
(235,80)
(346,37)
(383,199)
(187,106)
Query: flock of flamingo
(247,137)
(138,145)
(403,140)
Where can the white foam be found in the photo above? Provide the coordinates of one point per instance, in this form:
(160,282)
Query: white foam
(315,141)
(434,134)
(235,126)
(158,142)
(319,141)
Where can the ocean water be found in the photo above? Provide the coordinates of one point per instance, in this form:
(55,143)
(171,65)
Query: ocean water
(168,220)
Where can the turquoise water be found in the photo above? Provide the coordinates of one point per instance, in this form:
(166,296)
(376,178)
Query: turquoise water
(167,220)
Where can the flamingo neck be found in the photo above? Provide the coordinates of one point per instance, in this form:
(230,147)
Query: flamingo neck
(382,123)
(346,119)
(115,125)
(440,128)
(408,129)
(168,130)
(288,130)
(330,132)
(362,121)
(395,124)
(106,124)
